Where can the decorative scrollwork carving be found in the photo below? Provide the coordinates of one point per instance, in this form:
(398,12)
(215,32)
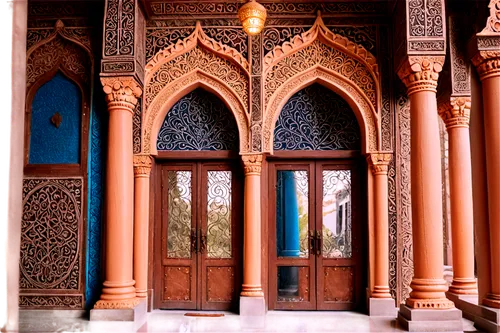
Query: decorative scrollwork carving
(320,32)
(316,118)
(37,35)
(119,26)
(252,163)
(159,38)
(405,241)
(51,234)
(55,54)
(198,37)
(460,66)
(50,301)
(233,37)
(307,77)
(421,73)
(456,113)
(198,121)
(493,23)
(137,124)
(170,94)
(425,18)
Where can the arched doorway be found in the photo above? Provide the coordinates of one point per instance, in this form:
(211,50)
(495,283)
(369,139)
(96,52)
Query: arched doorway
(197,256)
(317,215)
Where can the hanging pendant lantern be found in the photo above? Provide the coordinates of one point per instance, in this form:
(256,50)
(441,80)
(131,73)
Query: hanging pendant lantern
(252,16)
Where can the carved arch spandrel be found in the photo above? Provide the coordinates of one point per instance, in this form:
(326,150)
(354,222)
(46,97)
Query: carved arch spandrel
(182,86)
(360,105)
(323,56)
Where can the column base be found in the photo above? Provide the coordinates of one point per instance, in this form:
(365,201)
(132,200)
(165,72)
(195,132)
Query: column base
(430,320)
(116,311)
(437,304)
(492,301)
(252,306)
(382,307)
(463,286)
(487,319)
(465,303)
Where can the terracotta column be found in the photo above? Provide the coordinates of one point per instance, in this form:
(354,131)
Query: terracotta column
(252,286)
(119,291)
(379,163)
(456,116)
(420,75)
(488,67)
(142,169)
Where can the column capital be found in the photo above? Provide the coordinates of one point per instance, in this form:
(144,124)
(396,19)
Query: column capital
(379,162)
(142,165)
(121,91)
(456,113)
(487,64)
(421,73)
(252,163)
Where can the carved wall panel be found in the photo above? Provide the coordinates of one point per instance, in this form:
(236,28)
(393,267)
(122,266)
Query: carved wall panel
(53,227)
(403,188)
(460,65)
(51,237)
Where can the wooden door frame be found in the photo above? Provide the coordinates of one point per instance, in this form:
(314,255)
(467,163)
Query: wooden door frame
(176,157)
(350,157)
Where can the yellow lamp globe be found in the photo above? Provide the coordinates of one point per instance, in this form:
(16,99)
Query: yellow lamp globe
(252,16)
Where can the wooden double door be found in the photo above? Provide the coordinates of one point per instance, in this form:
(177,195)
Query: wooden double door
(316,235)
(198,236)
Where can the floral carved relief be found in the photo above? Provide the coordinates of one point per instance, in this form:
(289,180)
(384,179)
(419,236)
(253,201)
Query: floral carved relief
(59,49)
(50,233)
(369,122)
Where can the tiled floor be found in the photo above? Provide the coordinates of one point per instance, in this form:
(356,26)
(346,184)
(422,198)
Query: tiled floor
(175,321)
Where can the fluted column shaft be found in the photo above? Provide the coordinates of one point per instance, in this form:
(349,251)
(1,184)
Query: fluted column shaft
(142,169)
(488,67)
(456,116)
(252,286)
(420,75)
(119,291)
(379,163)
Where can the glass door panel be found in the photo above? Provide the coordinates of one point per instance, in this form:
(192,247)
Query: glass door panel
(219,236)
(292,269)
(337,269)
(175,287)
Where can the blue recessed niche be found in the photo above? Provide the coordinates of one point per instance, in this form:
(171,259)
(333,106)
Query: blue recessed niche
(50,144)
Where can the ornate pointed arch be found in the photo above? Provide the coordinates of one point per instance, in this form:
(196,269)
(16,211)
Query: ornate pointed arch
(335,82)
(319,55)
(196,61)
(182,86)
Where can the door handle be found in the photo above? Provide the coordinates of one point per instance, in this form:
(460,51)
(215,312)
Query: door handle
(194,241)
(311,242)
(319,242)
(203,242)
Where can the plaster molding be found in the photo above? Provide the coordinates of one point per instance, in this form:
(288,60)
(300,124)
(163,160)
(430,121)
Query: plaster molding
(142,165)
(487,64)
(421,73)
(379,162)
(321,32)
(121,91)
(493,22)
(198,37)
(118,304)
(252,164)
(456,113)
